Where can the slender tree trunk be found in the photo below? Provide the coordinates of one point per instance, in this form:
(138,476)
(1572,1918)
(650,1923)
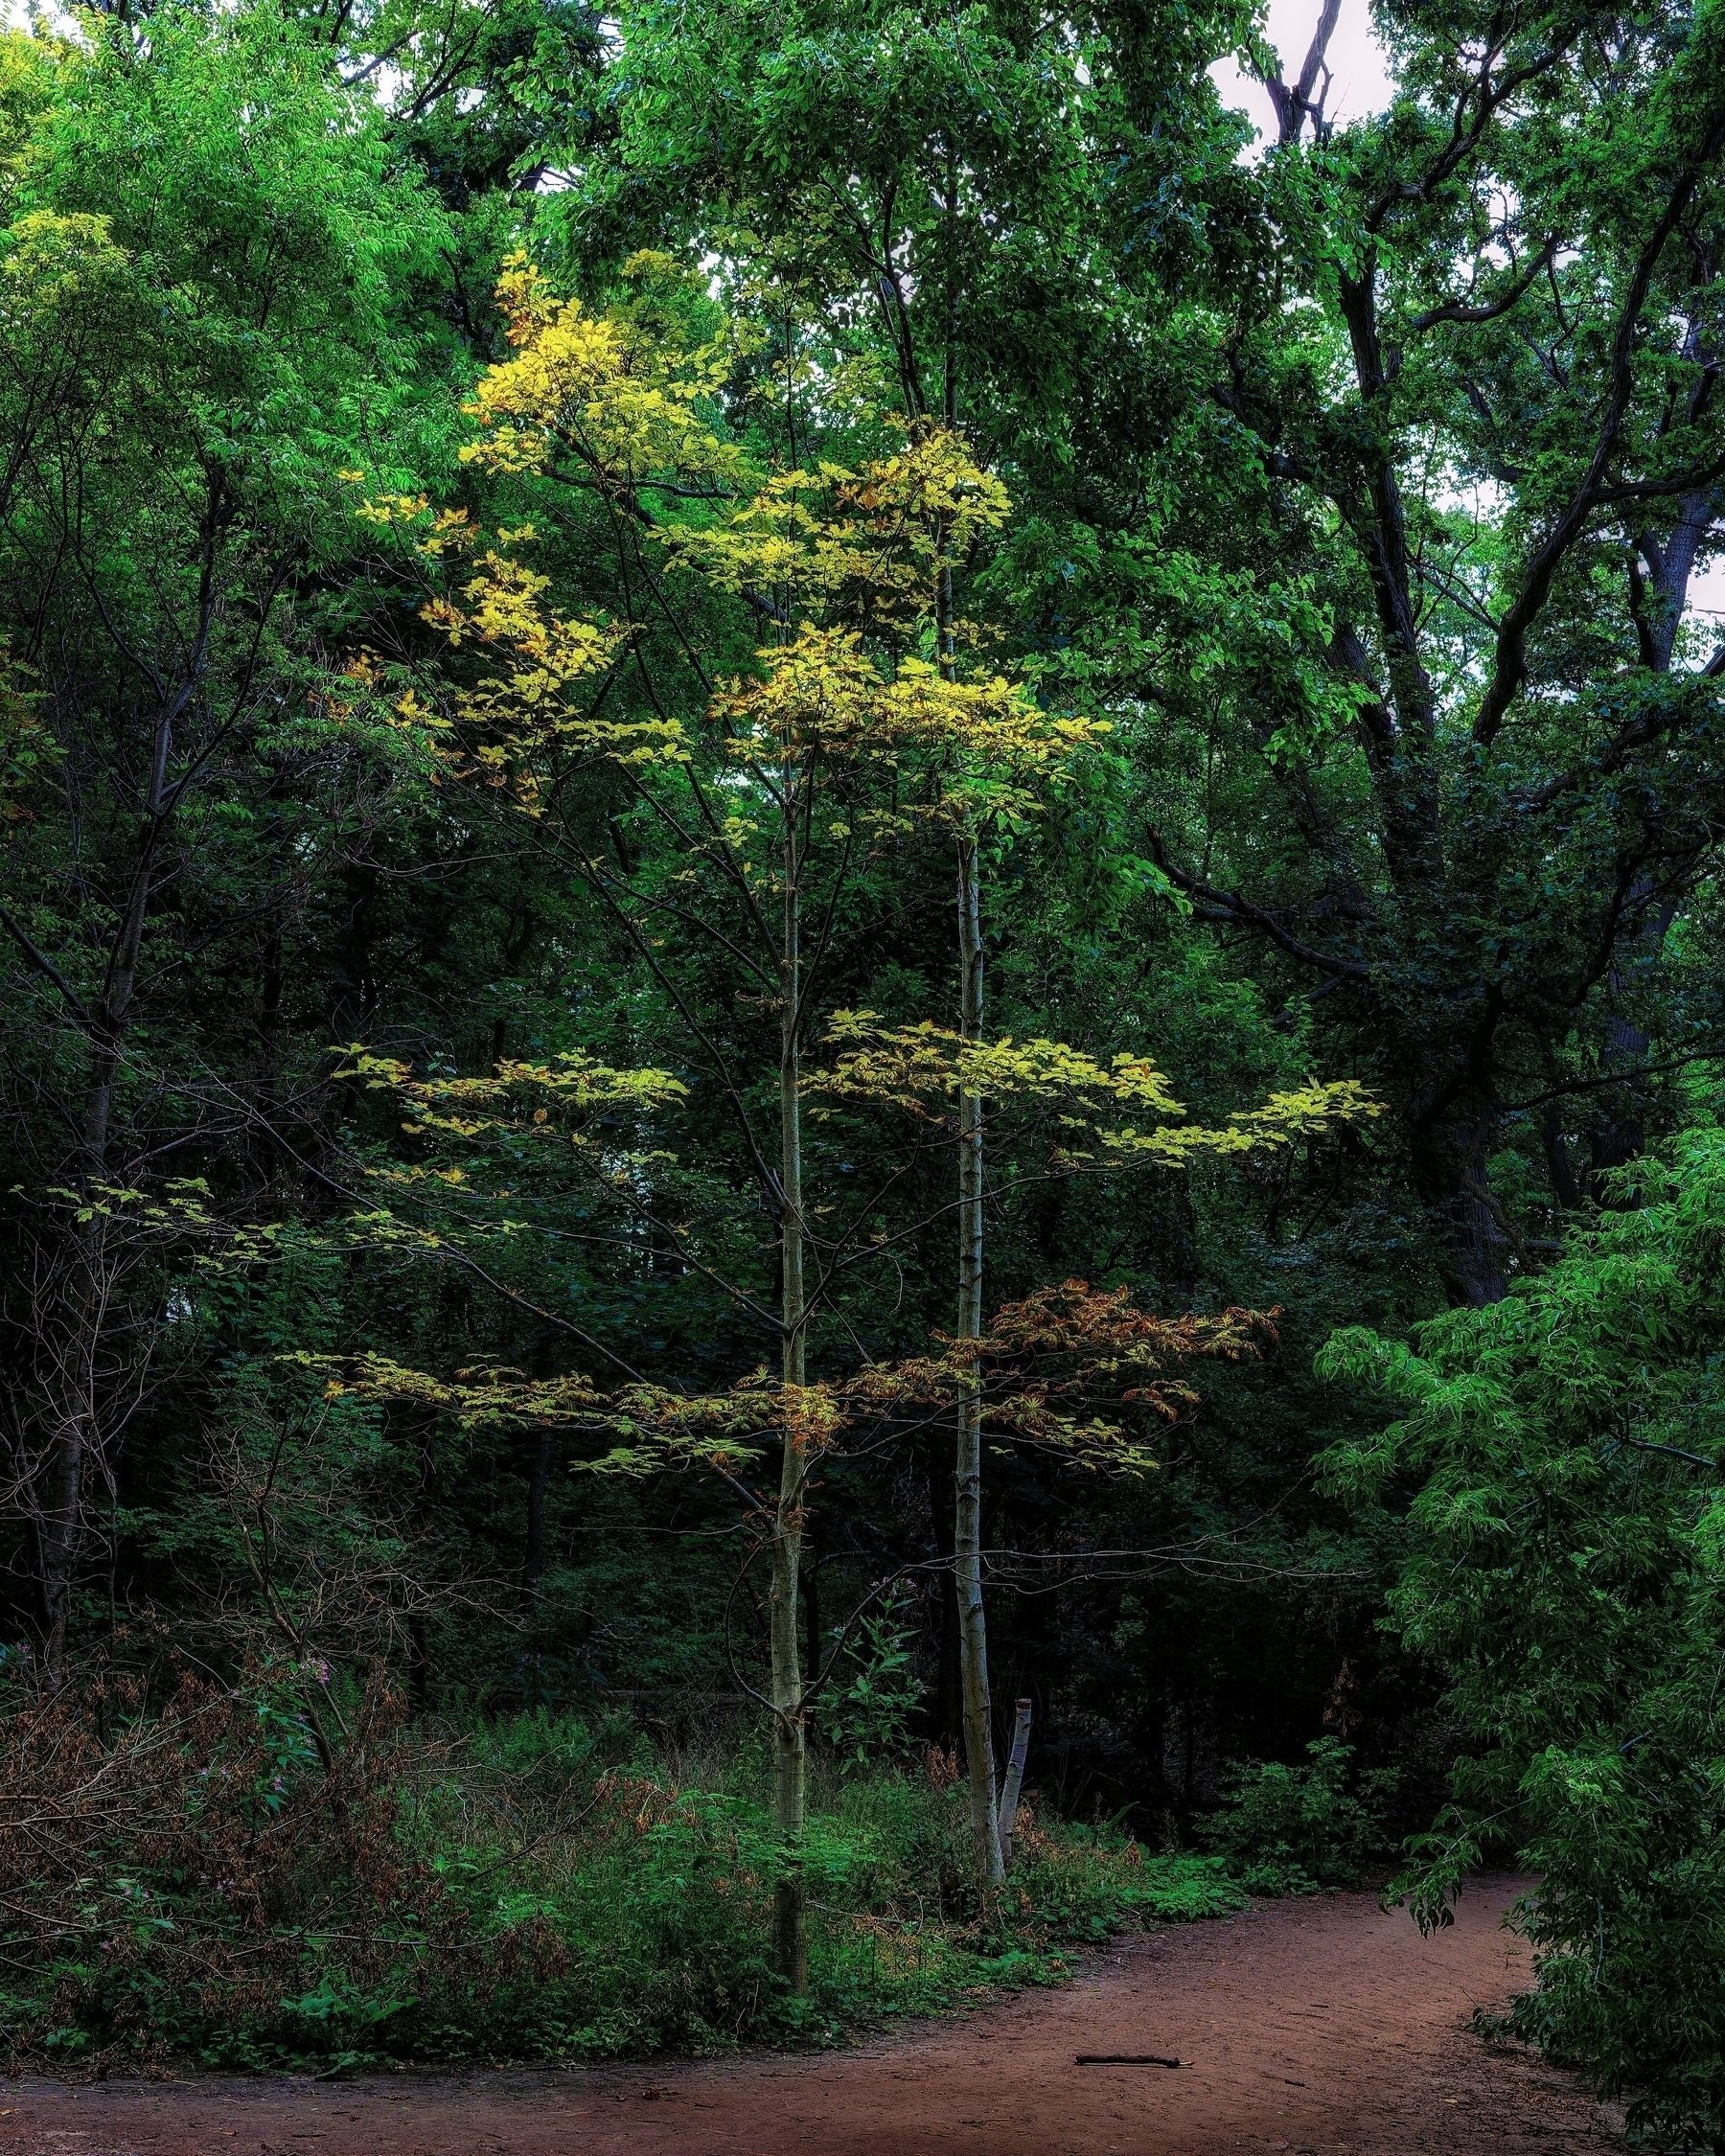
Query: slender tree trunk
(1015,1780)
(967,1538)
(60,1519)
(789,1747)
(78,1444)
(967,1525)
(811,1596)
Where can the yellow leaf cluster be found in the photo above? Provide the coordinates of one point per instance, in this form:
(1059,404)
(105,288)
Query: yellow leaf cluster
(51,263)
(1308,1111)
(925,1068)
(868,543)
(522,708)
(913,1065)
(619,399)
(475,1397)
(982,746)
(570,1083)
(613,395)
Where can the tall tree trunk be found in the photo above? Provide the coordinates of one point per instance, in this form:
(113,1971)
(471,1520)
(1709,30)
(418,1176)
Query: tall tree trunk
(810,1597)
(60,1511)
(78,1444)
(967,1534)
(1480,1236)
(1015,1780)
(967,1538)
(1451,1165)
(790,1743)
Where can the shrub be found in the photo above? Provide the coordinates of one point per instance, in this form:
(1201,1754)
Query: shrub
(169,1864)
(188,1877)
(1291,1831)
(1560,1458)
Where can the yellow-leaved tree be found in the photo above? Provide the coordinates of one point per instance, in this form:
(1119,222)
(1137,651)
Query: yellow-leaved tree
(858,723)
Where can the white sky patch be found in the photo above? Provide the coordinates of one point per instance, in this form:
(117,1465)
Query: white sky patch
(1362,84)
(1707,592)
(15,14)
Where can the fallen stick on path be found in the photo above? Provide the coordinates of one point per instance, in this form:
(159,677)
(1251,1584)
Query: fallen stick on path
(1124,2059)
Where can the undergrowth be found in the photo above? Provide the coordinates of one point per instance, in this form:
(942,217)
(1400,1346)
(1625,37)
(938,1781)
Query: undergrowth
(262,1876)
(1296,1829)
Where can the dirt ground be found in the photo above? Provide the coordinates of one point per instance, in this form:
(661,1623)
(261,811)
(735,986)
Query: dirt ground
(1323,2025)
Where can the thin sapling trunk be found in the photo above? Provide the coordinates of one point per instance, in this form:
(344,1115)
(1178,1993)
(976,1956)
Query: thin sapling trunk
(967,1538)
(1014,1782)
(790,1740)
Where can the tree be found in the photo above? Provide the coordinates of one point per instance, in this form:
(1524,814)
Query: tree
(1564,1566)
(802,758)
(1492,762)
(202,272)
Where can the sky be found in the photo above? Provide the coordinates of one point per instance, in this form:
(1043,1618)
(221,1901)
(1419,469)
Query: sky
(1356,59)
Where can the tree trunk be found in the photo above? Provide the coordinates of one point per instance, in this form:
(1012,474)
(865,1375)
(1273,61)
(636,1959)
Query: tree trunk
(967,1539)
(1450,1166)
(1015,1780)
(1479,1237)
(59,1534)
(790,1745)
(810,1597)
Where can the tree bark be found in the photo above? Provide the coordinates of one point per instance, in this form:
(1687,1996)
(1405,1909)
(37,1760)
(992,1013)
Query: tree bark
(1015,1780)
(811,1596)
(967,1539)
(789,1744)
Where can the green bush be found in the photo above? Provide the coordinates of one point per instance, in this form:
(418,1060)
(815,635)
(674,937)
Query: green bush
(1560,1458)
(1291,1831)
(527,1889)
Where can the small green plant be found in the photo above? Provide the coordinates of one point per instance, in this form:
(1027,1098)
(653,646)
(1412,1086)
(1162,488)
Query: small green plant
(1291,1831)
(873,1719)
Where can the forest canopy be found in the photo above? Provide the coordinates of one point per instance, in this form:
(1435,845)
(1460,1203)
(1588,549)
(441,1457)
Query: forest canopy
(820,832)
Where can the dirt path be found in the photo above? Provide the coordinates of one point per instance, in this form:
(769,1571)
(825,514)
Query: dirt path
(1308,2026)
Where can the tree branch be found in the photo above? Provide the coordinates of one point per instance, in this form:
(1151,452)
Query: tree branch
(45,966)
(1458,310)
(1231,905)
(1510,668)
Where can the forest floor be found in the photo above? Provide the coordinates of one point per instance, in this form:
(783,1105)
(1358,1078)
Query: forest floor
(1319,2025)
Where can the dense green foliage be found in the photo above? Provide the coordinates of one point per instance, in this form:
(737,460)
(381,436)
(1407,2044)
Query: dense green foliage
(1291,1829)
(1562,1450)
(499,499)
